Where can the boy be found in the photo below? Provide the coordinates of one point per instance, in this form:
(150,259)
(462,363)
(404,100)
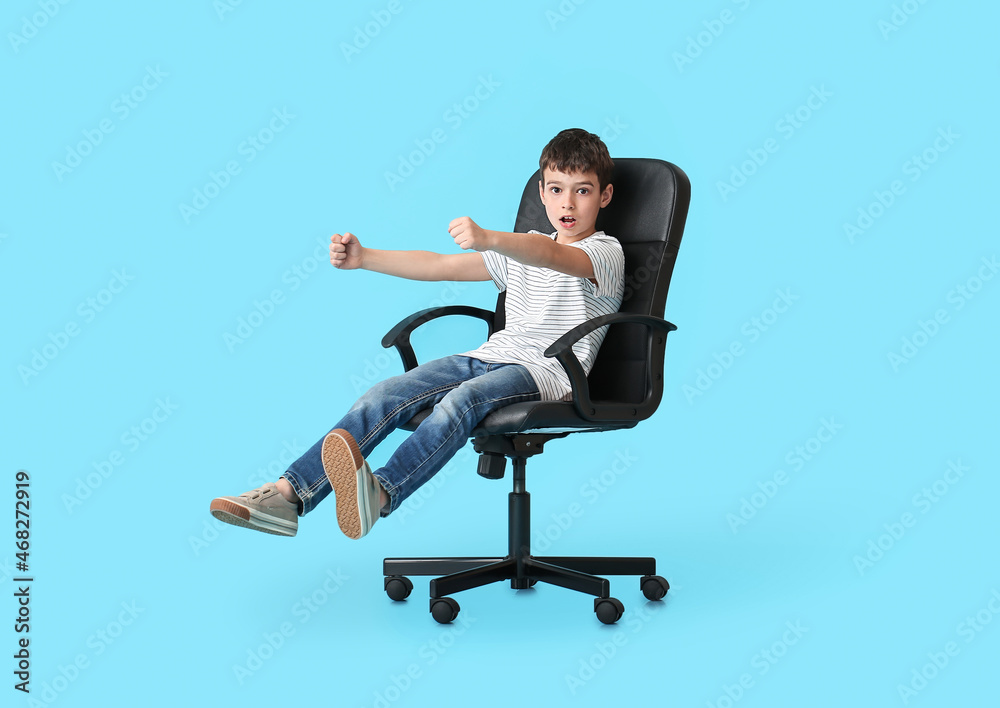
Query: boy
(554,282)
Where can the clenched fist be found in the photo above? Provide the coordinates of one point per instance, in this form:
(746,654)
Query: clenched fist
(345,251)
(468,235)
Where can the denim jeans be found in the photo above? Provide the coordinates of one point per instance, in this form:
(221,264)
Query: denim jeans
(463,390)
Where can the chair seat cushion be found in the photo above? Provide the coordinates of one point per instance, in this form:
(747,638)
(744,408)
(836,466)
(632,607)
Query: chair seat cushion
(532,416)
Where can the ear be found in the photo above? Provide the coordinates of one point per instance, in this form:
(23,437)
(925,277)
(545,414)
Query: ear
(606,195)
(541,191)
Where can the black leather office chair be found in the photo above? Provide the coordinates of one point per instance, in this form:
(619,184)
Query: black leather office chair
(646,215)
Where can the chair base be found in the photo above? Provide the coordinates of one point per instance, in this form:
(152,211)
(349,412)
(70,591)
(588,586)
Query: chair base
(579,573)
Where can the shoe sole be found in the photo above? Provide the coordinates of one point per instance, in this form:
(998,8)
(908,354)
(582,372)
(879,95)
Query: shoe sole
(232,513)
(342,460)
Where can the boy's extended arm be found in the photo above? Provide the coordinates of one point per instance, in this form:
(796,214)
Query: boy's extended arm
(347,253)
(529,249)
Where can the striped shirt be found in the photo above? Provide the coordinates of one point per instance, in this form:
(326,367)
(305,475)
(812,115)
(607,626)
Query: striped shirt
(543,304)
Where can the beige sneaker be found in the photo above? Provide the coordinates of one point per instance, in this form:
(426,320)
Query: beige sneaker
(261,509)
(353,483)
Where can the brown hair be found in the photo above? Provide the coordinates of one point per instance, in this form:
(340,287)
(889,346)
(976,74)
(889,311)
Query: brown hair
(576,150)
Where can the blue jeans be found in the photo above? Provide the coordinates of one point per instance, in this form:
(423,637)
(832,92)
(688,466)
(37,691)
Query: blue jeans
(463,390)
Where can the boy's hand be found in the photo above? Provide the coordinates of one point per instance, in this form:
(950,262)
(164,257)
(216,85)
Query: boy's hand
(468,235)
(345,251)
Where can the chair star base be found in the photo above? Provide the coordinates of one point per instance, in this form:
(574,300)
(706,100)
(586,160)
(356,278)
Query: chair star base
(579,573)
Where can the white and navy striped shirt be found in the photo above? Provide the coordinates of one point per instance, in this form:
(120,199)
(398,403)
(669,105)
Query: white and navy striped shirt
(543,304)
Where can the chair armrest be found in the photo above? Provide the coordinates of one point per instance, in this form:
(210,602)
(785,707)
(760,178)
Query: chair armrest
(399,336)
(562,350)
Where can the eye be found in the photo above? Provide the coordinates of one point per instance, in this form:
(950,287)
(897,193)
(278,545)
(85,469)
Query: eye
(583,190)
(555,190)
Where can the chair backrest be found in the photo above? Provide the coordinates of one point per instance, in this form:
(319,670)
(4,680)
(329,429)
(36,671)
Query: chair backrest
(647,213)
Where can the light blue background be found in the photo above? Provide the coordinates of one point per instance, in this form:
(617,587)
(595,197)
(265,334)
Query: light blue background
(206,597)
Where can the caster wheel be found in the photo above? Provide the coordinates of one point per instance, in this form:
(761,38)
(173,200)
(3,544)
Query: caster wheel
(444,609)
(654,587)
(398,587)
(608,609)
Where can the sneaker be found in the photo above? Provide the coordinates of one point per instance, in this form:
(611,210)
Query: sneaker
(261,509)
(352,480)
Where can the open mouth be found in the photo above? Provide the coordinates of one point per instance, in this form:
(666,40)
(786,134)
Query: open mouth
(567,221)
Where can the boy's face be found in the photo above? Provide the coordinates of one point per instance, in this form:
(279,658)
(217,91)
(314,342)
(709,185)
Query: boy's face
(572,202)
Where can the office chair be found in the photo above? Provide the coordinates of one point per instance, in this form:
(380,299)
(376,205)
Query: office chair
(646,215)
